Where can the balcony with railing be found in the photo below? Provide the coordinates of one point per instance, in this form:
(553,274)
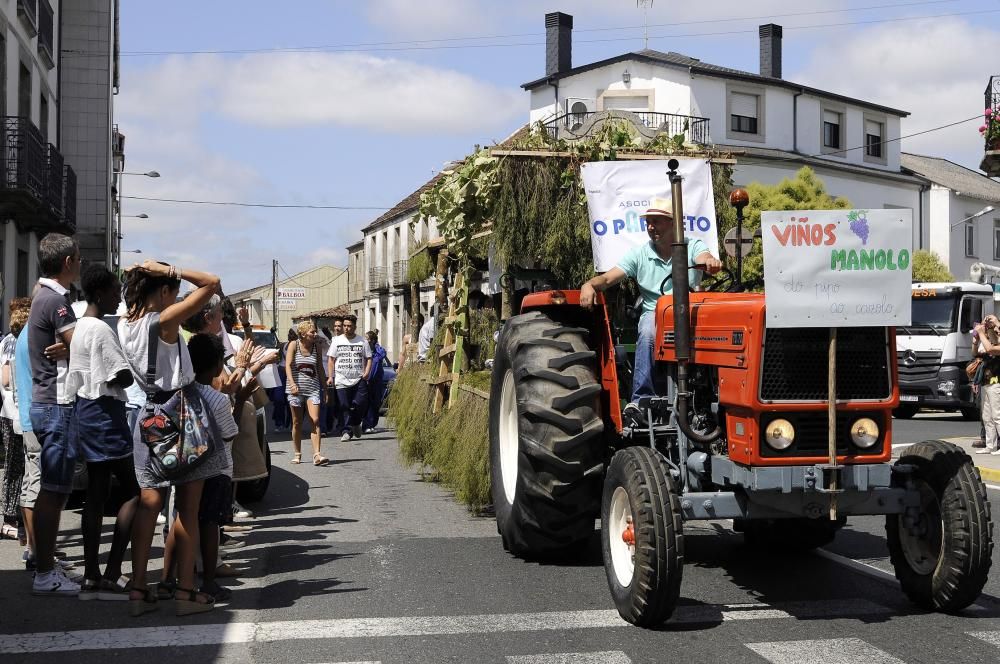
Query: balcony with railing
(991,129)
(378,279)
(572,126)
(34,187)
(45,33)
(27,11)
(400,273)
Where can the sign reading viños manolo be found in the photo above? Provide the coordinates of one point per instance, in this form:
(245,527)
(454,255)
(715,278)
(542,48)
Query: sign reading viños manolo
(837,268)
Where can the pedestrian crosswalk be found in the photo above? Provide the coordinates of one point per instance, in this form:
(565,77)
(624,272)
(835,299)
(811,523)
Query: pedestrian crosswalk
(606,657)
(828,651)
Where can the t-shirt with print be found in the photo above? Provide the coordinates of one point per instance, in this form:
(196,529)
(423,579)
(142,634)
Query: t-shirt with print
(643,264)
(220,410)
(350,355)
(50,316)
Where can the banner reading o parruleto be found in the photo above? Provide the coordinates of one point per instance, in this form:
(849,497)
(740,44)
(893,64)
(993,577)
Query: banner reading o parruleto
(837,268)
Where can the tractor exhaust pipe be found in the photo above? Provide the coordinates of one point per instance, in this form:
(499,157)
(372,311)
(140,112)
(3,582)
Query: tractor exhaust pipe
(682,316)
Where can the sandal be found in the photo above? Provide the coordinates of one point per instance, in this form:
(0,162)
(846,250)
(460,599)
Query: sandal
(191,605)
(110,591)
(297,457)
(165,589)
(218,593)
(137,607)
(320,460)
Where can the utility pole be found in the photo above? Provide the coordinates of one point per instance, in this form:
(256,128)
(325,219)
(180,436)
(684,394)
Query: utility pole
(274,294)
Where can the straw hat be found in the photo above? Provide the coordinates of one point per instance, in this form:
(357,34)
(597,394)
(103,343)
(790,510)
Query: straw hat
(660,207)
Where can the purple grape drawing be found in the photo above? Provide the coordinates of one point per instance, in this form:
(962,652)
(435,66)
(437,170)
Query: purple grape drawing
(859,224)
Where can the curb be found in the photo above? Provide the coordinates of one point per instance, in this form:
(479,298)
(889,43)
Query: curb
(989,474)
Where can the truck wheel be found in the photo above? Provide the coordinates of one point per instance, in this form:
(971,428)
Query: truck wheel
(970,414)
(642,536)
(546,448)
(942,550)
(790,535)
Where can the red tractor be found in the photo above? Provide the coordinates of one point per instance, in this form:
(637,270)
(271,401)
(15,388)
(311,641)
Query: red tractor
(739,430)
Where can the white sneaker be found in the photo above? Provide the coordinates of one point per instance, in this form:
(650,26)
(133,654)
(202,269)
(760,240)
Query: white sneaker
(346,437)
(241,512)
(160,519)
(369,431)
(54,584)
(986,450)
(995,452)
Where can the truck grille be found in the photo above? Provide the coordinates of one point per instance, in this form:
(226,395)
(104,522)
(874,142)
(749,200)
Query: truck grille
(915,365)
(795,361)
(811,433)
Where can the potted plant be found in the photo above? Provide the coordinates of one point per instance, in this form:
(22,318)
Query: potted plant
(990,130)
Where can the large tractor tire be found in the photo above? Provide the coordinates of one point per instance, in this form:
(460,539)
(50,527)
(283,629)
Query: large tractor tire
(942,551)
(642,536)
(796,535)
(546,437)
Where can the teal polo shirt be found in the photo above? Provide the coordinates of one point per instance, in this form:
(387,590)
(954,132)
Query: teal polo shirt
(643,264)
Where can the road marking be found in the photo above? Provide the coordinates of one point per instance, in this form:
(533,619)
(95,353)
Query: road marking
(857,565)
(993,638)
(609,657)
(993,486)
(353,628)
(828,651)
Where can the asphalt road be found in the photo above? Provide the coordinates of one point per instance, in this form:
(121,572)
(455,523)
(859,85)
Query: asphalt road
(363,561)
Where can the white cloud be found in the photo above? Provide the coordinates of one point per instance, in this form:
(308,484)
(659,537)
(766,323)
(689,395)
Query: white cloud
(936,69)
(357,90)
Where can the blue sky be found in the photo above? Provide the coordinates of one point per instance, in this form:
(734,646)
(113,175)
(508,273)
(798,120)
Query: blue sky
(366,125)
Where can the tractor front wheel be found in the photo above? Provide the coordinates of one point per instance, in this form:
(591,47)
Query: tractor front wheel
(642,536)
(941,549)
(546,437)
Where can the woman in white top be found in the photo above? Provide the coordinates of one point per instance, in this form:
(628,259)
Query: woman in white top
(151,295)
(98,375)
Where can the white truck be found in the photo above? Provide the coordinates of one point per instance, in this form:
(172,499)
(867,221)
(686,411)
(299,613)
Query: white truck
(934,349)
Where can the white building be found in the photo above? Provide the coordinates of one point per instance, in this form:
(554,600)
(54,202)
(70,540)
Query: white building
(772,125)
(319,288)
(38,190)
(379,291)
(960,201)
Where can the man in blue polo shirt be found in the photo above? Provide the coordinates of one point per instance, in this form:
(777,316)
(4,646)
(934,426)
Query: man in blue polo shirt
(649,264)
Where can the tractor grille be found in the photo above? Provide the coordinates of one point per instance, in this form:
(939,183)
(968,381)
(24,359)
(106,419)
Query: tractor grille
(795,362)
(916,365)
(811,433)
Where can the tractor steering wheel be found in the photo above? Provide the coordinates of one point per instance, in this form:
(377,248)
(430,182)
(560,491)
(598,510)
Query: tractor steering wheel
(669,277)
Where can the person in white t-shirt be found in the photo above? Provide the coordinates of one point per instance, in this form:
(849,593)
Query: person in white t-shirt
(98,375)
(348,362)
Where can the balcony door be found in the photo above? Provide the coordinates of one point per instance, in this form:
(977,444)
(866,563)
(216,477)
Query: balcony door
(24,92)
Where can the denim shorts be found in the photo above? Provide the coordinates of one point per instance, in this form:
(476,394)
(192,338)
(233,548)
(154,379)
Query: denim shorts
(52,424)
(299,400)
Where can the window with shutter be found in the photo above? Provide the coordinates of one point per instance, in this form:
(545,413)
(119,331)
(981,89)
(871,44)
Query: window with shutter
(970,240)
(873,139)
(743,113)
(831,129)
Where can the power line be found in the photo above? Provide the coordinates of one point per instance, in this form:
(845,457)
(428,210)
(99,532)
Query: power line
(289,278)
(435,44)
(259,205)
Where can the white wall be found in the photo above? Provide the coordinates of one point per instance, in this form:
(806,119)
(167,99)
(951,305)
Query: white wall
(939,233)
(959,208)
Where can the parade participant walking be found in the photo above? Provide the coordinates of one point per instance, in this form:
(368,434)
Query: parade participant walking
(376,382)
(52,320)
(305,390)
(98,376)
(348,362)
(151,297)
(331,410)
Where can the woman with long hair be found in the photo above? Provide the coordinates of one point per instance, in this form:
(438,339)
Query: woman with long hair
(151,297)
(304,368)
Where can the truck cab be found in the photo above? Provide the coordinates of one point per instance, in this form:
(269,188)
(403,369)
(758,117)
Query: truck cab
(934,349)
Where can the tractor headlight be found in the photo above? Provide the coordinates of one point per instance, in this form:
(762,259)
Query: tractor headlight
(864,432)
(779,434)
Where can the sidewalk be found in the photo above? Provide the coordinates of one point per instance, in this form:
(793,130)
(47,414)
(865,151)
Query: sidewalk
(989,466)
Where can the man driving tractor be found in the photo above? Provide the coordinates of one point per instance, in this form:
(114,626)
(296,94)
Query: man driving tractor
(650,265)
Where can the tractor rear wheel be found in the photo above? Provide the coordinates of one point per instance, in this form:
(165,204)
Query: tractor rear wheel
(546,431)
(642,536)
(942,550)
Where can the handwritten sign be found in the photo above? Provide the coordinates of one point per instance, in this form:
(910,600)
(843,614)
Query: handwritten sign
(837,268)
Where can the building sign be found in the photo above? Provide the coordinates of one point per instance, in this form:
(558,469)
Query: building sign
(291,294)
(284,304)
(619,192)
(837,268)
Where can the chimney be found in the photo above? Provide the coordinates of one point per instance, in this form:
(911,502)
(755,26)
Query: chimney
(770,50)
(558,43)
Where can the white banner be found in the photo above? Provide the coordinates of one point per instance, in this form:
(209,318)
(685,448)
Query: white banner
(619,192)
(837,268)
(291,293)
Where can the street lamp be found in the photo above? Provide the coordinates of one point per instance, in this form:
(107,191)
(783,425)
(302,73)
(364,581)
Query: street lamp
(141,215)
(132,251)
(985,210)
(118,229)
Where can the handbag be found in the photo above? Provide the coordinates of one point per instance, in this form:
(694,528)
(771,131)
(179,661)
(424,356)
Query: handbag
(973,368)
(177,432)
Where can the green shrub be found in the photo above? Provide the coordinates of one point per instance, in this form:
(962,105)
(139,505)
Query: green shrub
(454,445)
(420,267)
